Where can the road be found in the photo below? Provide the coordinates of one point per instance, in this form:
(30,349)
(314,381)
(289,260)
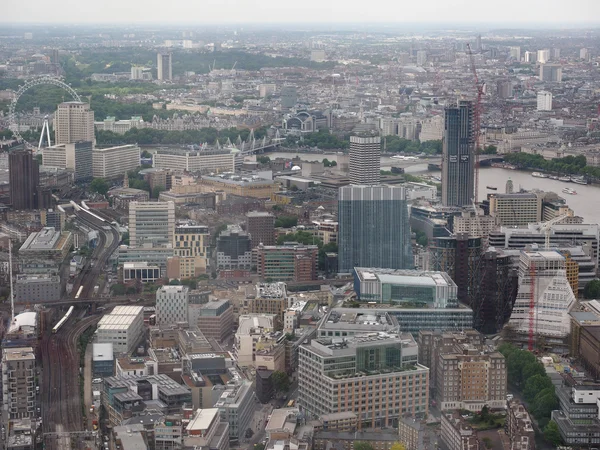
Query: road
(60,393)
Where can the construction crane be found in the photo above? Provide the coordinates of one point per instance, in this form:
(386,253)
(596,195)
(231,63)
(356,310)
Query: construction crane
(546,227)
(476,116)
(532,275)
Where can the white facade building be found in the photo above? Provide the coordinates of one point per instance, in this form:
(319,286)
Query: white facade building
(544,101)
(115,161)
(73,122)
(544,272)
(251,328)
(172,305)
(151,223)
(204,161)
(123,327)
(543,56)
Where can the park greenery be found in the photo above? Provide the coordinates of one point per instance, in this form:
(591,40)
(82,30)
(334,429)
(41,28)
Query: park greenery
(592,290)
(99,185)
(396,144)
(286,222)
(322,139)
(281,381)
(528,375)
(569,165)
(327,163)
(149,136)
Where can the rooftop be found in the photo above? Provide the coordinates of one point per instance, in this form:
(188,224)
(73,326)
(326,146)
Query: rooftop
(203,419)
(127,310)
(405,277)
(250,322)
(271,290)
(18,354)
(102,351)
(26,319)
(45,239)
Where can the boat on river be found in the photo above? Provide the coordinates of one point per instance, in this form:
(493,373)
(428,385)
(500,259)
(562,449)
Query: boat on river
(569,191)
(539,175)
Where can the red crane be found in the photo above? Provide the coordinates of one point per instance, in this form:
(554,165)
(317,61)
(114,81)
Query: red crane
(532,275)
(476,117)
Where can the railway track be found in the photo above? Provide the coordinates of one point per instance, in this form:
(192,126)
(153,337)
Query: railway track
(61,401)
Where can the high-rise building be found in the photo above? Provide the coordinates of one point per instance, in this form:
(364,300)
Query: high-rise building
(172,305)
(260,226)
(421,57)
(530,57)
(458,155)
(365,159)
(551,73)
(18,380)
(376,371)
(516,209)
(374,228)
(233,249)
(24,179)
(544,101)
(555,54)
(151,224)
(164,64)
(215,320)
(543,278)
(191,246)
(73,122)
(515,53)
(543,56)
(584,54)
(76,156)
(289,96)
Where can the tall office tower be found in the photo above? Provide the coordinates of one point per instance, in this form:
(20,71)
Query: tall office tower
(374,228)
(543,279)
(421,57)
(551,73)
(584,54)
(460,256)
(555,54)
(478,45)
(73,122)
(544,101)
(151,224)
(530,57)
(543,56)
(18,373)
(515,53)
(24,178)
(458,155)
(164,63)
(260,226)
(365,159)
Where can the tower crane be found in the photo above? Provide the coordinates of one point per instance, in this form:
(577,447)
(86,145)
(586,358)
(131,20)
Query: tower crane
(546,227)
(476,116)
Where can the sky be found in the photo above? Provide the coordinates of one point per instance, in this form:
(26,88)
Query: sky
(507,12)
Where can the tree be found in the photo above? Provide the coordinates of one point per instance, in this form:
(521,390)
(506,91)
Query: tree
(398,446)
(552,435)
(157,190)
(281,381)
(118,289)
(125,238)
(534,385)
(99,185)
(361,445)
(592,290)
(259,447)
(263,159)
(286,222)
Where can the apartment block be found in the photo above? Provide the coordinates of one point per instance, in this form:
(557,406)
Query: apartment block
(457,433)
(519,427)
(191,246)
(18,381)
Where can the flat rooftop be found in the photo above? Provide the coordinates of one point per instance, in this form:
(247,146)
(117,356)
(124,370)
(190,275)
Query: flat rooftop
(18,354)
(203,419)
(405,277)
(45,239)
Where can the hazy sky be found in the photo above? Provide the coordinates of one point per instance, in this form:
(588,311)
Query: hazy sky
(554,12)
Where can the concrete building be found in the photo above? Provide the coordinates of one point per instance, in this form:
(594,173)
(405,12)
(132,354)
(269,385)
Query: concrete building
(40,288)
(191,245)
(515,53)
(164,66)
(578,417)
(236,407)
(116,161)
(76,156)
(288,262)
(172,304)
(46,248)
(289,96)
(261,228)
(24,181)
(551,73)
(103,360)
(543,56)
(234,250)
(215,320)
(142,271)
(475,224)
(151,224)
(457,433)
(542,274)
(18,381)
(123,196)
(203,161)
(123,327)
(346,440)
(421,58)
(73,122)
(365,238)
(250,330)
(365,159)
(374,370)
(458,155)
(516,209)
(434,289)
(544,101)
(141,73)
(206,429)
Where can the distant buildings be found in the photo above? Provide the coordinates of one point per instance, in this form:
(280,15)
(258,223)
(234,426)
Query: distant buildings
(361,364)
(164,66)
(365,159)
(190,248)
(516,209)
(151,224)
(458,155)
(289,96)
(203,161)
(141,73)
(215,320)
(288,262)
(544,101)
(73,122)
(366,238)
(551,73)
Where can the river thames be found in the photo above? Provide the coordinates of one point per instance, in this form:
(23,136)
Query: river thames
(586,203)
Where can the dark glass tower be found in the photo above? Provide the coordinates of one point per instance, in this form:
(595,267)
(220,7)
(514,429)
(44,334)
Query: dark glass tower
(24,178)
(458,155)
(374,228)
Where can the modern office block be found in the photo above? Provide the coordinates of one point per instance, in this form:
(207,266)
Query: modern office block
(116,161)
(24,180)
(123,327)
(151,224)
(365,159)
(191,245)
(164,64)
(544,101)
(73,122)
(288,262)
(458,155)
(75,156)
(374,228)
(172,305)
(260,226)
(516,209)
(234,250)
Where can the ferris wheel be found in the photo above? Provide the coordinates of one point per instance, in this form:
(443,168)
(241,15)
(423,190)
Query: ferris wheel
(12,110)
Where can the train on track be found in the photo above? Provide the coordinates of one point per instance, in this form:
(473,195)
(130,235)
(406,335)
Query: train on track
(62,321)
(79,291)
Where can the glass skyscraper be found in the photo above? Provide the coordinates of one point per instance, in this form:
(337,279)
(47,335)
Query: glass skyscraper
(374,228)
(458,155)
